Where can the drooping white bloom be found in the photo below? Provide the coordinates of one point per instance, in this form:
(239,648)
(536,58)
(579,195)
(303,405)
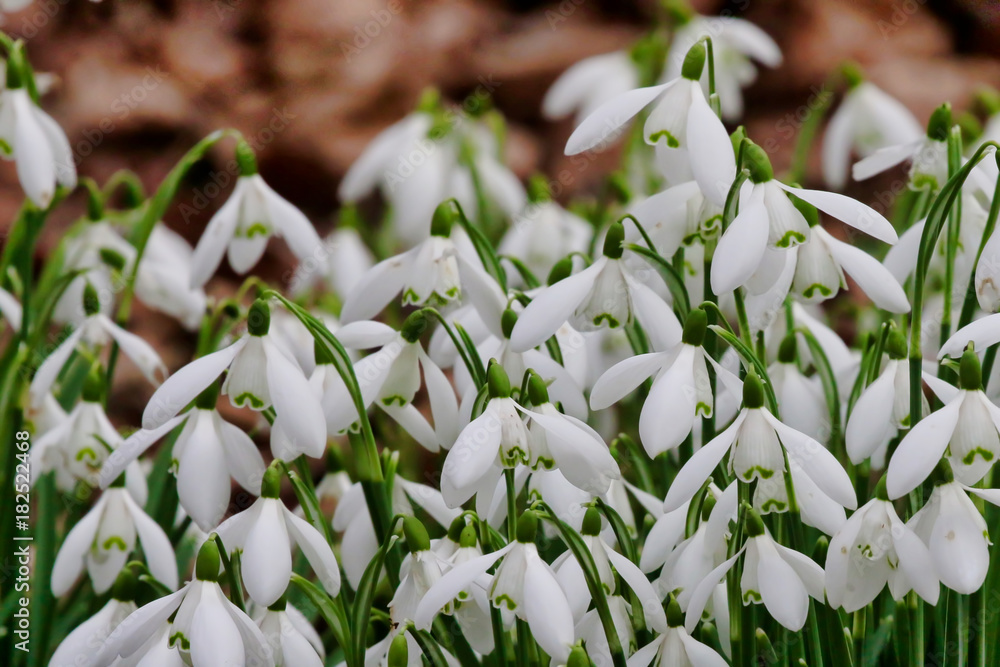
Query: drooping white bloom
(207,452)
(208,630)
(591,631)
(345,259)
(90,251)
(542,234)
(83,643)
(868,119)
(265,533)
(780,578)
(434,273)
(767,218)
(418,162)
(163,280)
(523,584)
(759,443)
(927,154)
(390,379)
(604,294)
(735,42)
(260,375)
(29,136)
(94,332)
(421,569)
(675,647)
(801,398)
(292,638)
(874,548)
(249,218)
(679,216)
(102,541)
(353,519)
(956,535)
(965,430)
(589,83)
(681,389)
(681,119)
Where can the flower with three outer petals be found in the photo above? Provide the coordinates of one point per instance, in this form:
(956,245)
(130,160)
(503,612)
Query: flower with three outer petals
(965,430)
(207,629)
(607,293)
(260,375)
(103,539)
(265,533)
(163,279)
(956,533)
(249,218)
(928,155)
(872,549)
(98,251)
(780,578)
(390,379)
(29,136)
(95,330)
(523,584)
(543,233)
(81,645)
(418,573)
(588,84)
(768,218)
(681,119)
(759,442)
(681,389)
(207,452)
(675,647)
(866,120)
(293,640)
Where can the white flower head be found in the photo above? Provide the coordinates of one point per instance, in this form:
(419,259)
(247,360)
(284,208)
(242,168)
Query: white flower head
(83,643)
(589,83)
(675,647)
(265,533)
(163,280)
(928,155)
(249,218)
(292,638)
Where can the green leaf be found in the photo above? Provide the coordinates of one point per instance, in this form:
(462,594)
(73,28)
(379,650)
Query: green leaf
(333,612)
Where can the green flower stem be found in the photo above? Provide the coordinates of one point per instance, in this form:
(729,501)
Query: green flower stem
(231,566)
(470,355)
(952,233)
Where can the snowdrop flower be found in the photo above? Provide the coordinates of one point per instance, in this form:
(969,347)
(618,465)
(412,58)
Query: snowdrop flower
(471,607)
(265,533)
(544,232)
(604,294)
(390,378)
(419,572)
(965,430)
(769,219)
(99,251)
(569,573)
(347,258)
(676,647)
(681,389)
(207,452)
(680,216)
(428,157)
(29,136)
(956,534)
(759,442)
(292,638)
(800,398)
(76,447)
(260,375)
(928,155)
(208,630)
(101,542)
(586,85)
(10,309)
(163,279)
(780,578)
(95,331)
(353,519)
(868,119)
(431,274)
(523,584)
(736,42)
(681,119)
(883,408)
(83,643)
(874,548)
(249,218)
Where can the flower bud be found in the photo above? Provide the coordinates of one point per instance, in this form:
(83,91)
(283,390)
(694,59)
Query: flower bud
(753,391)
(561,270)
(91,302)
(245,159)
(538,189)
(970,373)
(695,326)
(895,345)
(208,397)
(591,522)
(538,392)
(270,486)
(498,384)
(208,563)
(507,322)
(416,535)
(399,652)
(259,318)
(468,538)
(613,241)
(93,385)
(694,62)
(675,617)
(788,349)
(414,326)
(578,658)
(940,123)
(527,527)
(754,525)
(123,589)
(755,159)
(445,216)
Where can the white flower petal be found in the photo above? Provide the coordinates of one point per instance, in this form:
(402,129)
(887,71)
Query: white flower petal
(652,606)
(295,403)
(135,348)
(817,462)
(602,126)
(622,378)
(883,159)
(871,276)
(377,288)
(547,610)
(216,237)
(920,450)
(982,333)
(712,162)
(70,560)
(267,558)
(703,591)
(847,210)
(453,582)
(316,550)
(155,545)
(550,309)
(870,425)
(699,467)
(742,246)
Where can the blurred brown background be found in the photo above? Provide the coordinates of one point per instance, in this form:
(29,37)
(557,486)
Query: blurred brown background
(137,82)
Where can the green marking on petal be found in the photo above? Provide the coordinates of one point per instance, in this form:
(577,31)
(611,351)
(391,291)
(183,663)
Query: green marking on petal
(256,229)
(703,409)
(790,239)
(823,290)
(246,398)
(389,400)
(763,472)
(671,140)
(773,505)
(86,453)
(751,596)
(179,637)
(605,317)
(545,463)
(970,458)
(504,600)
(114,541)
(409,296)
